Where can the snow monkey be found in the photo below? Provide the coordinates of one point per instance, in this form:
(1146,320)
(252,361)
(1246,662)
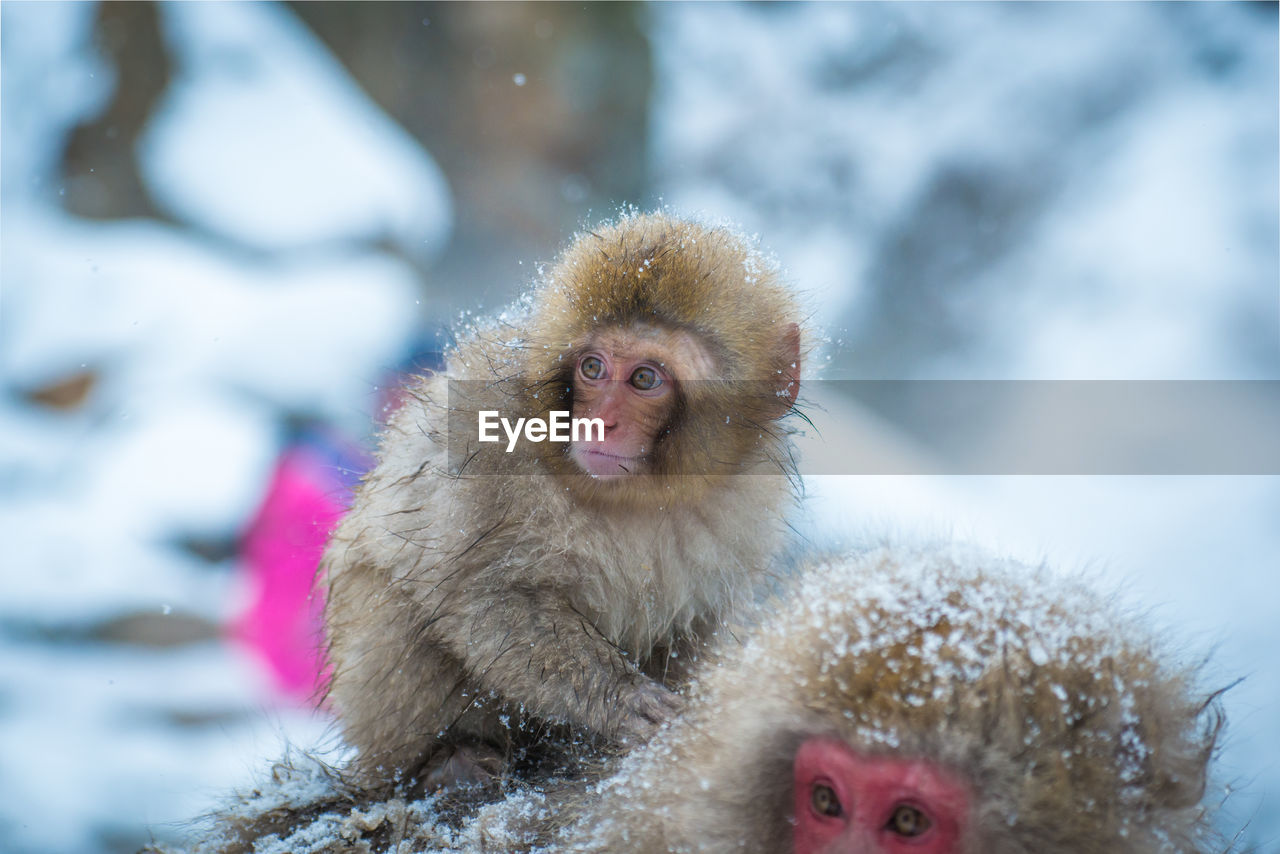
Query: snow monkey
(924,702)
(490,582)
(932,701)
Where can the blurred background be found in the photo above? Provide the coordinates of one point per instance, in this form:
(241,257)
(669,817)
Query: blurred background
(229,228)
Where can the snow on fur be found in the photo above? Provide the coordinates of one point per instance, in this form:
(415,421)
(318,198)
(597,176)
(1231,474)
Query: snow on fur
(1077,732)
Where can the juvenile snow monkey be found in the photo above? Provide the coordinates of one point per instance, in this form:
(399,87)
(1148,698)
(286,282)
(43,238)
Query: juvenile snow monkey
(480,591)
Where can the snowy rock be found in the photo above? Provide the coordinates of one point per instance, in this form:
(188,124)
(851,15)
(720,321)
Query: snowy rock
(263,138)
(51,82)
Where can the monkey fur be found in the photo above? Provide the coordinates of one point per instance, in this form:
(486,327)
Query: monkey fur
(1074,729)
(479,599)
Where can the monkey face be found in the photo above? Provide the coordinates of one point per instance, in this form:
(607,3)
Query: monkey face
(848,803)
(629,380)
(702,310)
(632,399)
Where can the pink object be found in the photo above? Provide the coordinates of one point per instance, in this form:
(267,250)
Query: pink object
(308,494)
(310,490)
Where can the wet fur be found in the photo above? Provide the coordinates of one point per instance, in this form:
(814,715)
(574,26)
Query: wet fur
(476,596)
(1078,733)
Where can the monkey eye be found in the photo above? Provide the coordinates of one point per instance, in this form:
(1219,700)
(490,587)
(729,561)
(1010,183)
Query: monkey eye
(824,801)
(591,367)
(645,378)
(908,821)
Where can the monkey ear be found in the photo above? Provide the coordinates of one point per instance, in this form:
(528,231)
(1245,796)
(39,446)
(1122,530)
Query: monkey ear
(788,382)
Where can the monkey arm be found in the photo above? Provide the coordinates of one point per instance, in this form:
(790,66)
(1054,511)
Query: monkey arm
(529,645)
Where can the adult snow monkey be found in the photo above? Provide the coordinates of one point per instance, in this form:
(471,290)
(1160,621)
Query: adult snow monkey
(932,701)
(490,582)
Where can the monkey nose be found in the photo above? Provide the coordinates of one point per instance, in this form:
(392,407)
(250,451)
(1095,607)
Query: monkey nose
(608,411)
(607,414)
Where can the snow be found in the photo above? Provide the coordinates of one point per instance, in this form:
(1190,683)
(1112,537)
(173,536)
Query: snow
(1136,237)
(202,349)
(50,83)
(318,161)
(138,283)
(1137,177)
(93,748)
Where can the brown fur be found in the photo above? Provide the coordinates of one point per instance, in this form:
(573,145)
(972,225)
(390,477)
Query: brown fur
(476,597)
(1074,734)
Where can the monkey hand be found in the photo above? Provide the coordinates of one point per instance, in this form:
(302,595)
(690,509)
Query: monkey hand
(643,708)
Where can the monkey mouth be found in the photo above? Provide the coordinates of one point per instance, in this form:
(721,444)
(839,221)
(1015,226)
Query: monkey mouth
(602,464)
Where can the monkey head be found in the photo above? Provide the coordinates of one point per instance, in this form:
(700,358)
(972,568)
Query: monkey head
(930,702)
(680,340)
(630,379)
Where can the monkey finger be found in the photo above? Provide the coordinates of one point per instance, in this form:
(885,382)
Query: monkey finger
(466,766)
(646,708)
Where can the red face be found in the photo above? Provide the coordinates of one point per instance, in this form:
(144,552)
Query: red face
(847,803)
(633,397)
(627,378)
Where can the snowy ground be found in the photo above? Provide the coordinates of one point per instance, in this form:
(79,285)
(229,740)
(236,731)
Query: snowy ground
(1144,246)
